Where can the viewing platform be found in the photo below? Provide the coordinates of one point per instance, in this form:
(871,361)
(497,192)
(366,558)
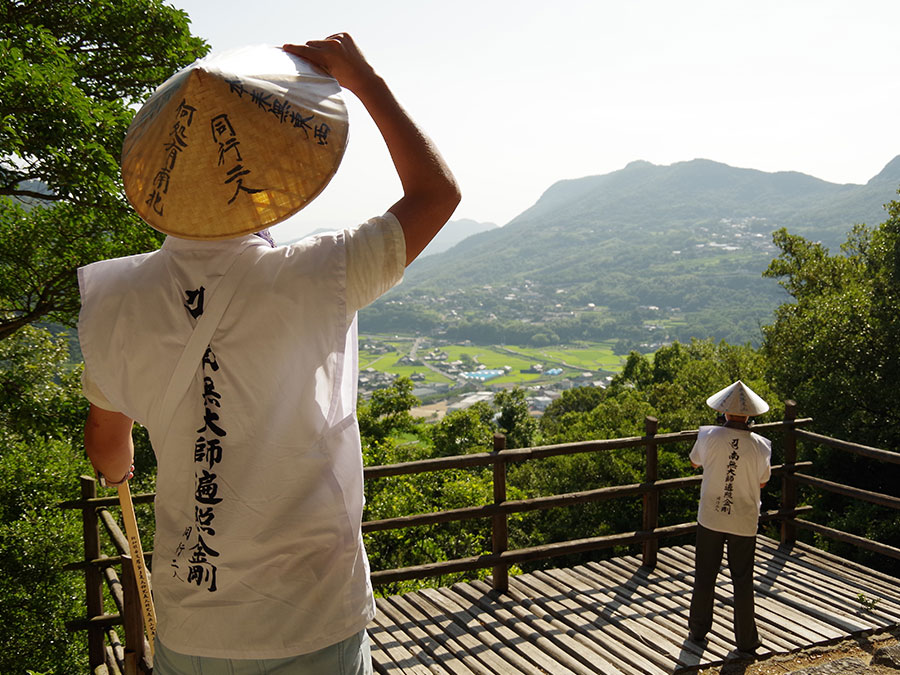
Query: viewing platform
(620,614)
(615,616)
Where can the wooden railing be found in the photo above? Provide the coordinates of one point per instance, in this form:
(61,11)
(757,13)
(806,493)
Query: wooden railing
(108,655)
(498,513)
(793,478)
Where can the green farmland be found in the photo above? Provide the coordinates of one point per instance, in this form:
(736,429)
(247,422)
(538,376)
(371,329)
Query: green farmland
(574,361)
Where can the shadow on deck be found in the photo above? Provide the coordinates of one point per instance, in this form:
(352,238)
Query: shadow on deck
(614,616)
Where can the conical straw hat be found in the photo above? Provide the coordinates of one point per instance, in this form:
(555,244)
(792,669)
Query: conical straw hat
(234,143)
(737,399)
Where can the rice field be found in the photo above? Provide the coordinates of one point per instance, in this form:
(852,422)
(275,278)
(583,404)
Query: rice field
(571,361)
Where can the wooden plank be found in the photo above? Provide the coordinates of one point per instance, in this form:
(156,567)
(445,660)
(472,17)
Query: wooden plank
(478,656)
(771,617)
(594,658)
(807,602)
(770,624)
(609,635)
(516,650)
(807,555)
(394,657)
(845,577)
(624,630)
(843,591)
(453,656)
(784,626)
(661,611)
(719,639)
(554,658)
(847,565)
(647,637)
(428,650)
(477,623)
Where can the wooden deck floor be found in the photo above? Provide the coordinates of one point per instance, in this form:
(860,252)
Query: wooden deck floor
(614,617)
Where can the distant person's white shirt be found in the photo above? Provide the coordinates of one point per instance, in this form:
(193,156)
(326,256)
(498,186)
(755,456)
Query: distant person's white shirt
(735,462)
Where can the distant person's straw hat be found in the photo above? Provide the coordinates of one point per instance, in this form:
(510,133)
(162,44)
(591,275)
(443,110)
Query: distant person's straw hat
(234,143)
(737,399)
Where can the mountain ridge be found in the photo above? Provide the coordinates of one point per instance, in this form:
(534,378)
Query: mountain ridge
(686,238)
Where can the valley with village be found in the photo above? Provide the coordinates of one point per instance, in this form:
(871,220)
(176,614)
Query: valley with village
(451,376)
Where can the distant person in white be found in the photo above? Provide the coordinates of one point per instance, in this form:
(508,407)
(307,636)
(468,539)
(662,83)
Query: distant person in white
(736,466)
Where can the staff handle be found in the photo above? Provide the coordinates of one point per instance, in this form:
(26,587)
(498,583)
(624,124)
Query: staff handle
(137,560)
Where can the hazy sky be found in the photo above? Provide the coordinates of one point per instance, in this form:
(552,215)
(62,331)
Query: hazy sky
(519,94)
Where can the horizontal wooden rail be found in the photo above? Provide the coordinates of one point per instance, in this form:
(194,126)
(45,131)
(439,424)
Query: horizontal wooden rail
(848,538)
(101,620)
(847,491)
(483,459)
(856,448)
(543,503)
(552,550)
(143,498)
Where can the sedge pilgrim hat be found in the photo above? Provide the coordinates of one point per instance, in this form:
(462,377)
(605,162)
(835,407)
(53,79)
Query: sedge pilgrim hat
(737,399)
(234,143)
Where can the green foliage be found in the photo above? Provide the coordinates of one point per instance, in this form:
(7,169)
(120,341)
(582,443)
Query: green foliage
(387,412)
(576,401)
(71,74)
(426,493)
(40,396)
(834,350)
(464,431)
(41,416)
(681,378)
(36,540)
(513,418)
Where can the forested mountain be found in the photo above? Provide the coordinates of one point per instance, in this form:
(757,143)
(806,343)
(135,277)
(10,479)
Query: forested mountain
(648,253)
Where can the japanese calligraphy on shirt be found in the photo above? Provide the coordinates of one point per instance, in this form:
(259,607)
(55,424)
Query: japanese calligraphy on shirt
(727,500)
(194,558)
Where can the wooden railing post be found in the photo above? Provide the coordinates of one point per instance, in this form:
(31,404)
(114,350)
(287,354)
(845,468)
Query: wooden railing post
(651,496)
(93,579)
(132,619)
(499,524)
(788,484)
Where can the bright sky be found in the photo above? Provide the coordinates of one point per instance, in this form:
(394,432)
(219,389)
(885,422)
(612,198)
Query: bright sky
(518,94)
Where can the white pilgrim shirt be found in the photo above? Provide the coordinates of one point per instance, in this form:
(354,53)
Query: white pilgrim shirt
(735,462)
(258,550)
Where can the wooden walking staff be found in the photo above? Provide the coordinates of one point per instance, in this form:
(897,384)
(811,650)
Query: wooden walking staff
(137,560)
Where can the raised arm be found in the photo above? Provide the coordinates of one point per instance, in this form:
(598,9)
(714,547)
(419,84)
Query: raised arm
(430,192)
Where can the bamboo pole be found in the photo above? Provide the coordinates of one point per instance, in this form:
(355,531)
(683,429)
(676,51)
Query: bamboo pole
(142,577)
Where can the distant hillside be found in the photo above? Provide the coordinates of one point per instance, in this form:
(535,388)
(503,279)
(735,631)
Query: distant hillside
(693,237)
(454,232)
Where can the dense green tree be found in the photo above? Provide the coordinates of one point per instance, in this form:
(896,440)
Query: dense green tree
(72,73)
(578,400)
(387,412)
(41,414)
(834,350)
(464,431)
(513,418)
(681,377)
